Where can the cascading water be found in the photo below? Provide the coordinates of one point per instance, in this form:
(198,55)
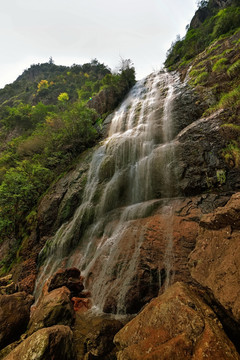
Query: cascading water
(128,175)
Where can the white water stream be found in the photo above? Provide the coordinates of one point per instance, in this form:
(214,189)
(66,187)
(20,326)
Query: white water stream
(128,173)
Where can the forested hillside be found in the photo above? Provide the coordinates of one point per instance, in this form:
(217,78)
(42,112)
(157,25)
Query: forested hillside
(48,117)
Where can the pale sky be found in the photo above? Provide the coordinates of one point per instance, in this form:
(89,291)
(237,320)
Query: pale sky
(76,31)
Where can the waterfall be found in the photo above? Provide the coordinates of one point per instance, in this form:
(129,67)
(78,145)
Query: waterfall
(129,175)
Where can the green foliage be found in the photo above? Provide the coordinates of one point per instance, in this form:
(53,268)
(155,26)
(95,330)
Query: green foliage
(201,78)
(63,97)
(234,69)
(226,20)
(231,154)
(19,192)
(230,99)
(44,135)
(221,176)
(197,39)
(220,65)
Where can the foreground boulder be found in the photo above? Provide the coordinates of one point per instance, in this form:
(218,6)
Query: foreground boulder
(54,308)
(53,343)
(93,336)
(14,316)
(215,261)
(99,342)
(176,325)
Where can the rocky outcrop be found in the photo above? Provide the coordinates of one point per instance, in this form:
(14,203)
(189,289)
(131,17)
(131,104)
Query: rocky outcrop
(63,198)
(69,278)
(206,11)
(215,261)
(176,325)
(53,309)
(105,101)
(14,316)
(51,343)
(157,247)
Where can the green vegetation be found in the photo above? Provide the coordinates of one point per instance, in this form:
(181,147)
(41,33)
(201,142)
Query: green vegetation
(201,78)
(231,154)
(220,65)
(234,69)
(201,34)
(232,98)
(47,119)
(221,176)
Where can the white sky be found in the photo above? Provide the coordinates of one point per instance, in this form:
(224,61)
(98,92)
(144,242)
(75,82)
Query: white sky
(76,31)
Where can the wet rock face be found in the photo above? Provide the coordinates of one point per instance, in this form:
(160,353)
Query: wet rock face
(186,108)
(51,343)
(197,160)
(14,316)
(60,203)
(53,309)
(215,261)
(152,254)
(176,325)
(70,278)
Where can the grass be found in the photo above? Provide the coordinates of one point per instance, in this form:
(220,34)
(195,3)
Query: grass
(220,65)
(234,69)
(230,99)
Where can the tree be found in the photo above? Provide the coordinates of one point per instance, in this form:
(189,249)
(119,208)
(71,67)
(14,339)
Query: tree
(63,97)
(42,85)
(19,192)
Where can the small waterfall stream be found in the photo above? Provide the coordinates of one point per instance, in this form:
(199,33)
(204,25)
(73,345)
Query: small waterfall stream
(128,175)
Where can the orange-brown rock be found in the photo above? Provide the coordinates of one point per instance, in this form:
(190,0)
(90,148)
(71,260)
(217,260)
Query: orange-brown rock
(81,304)
(52,309)
(14,316)
(53,343)
(157,247)
(215,261)
(176,325)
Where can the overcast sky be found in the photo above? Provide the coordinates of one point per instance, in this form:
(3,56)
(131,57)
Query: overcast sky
(76,31)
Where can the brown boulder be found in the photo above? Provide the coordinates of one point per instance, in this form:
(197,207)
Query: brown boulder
(99,342)
(69,278)
(54,308)
(53,343)
(176,325)
(215,261)
(14,316)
